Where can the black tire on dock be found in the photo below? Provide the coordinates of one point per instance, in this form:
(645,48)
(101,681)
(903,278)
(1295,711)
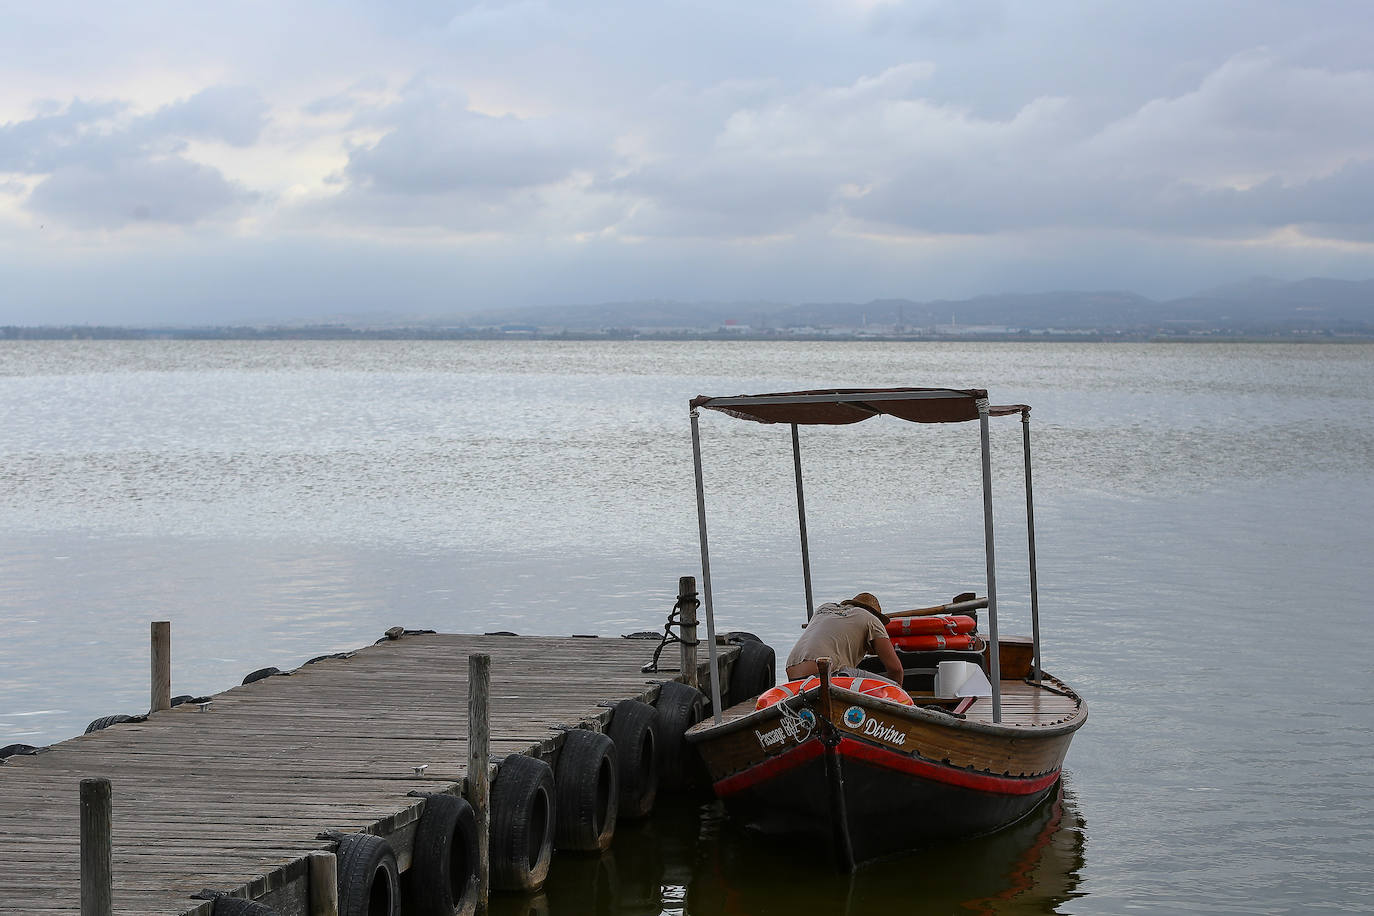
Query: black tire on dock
(369,884)
(258,675)
(15,750)
(442,880)
(586,792)
(522,819)
(679,708)
(753,671)
(634,729)
(237,906)
(106,722)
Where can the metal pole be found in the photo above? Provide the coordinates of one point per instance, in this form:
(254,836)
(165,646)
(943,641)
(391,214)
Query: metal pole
(994,655)
(801,517)
(1030,535)
(706,572)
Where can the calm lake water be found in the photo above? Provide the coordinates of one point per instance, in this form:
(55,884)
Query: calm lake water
(1203,517)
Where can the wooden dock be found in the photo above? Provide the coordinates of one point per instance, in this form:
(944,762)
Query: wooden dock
(233,797)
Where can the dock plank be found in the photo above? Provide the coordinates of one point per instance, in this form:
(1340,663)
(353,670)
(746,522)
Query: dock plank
(234,795)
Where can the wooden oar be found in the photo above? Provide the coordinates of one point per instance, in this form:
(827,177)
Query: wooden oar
(954,607)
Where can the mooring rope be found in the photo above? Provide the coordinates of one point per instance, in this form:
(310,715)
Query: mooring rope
(669,637)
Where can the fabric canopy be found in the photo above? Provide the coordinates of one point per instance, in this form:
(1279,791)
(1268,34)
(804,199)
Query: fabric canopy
(851,405)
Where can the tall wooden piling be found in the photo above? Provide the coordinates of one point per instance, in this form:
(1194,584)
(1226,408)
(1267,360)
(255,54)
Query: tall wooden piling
(479,762)
(687,605)
(161,665)
(324,884)
(97,845)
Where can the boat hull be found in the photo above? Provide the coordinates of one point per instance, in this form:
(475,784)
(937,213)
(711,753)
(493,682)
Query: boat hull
(903,777)
(887,807)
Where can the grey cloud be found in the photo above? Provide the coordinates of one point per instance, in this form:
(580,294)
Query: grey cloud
(56,136)
(348,101)
(173,191)
(823,153)
(106,168)
(755,158)
(234,115)
(88,132)
(1210,160)
(723,200)
(440,164)
(956,20)
(436,144)
(1251,118)
(520,215)
(1337,206)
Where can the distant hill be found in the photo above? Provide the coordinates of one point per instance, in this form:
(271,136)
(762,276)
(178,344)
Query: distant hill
(653,313)
(1258,304)
(1305,304)
(1257,307)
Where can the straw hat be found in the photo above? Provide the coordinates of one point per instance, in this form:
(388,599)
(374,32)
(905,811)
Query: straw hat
(868,602)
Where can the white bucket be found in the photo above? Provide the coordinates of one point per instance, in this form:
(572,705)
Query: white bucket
(961,679)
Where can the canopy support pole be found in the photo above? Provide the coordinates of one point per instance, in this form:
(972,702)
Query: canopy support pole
(994,655)
(706,571)
(801,517)
(1030,536)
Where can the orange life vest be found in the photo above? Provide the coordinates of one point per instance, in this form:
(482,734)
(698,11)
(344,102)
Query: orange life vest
(870,686)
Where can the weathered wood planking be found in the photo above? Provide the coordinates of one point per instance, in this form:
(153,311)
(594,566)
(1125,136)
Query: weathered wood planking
(233,797)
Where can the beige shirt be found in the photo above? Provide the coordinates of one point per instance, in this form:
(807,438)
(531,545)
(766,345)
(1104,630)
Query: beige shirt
(843,632)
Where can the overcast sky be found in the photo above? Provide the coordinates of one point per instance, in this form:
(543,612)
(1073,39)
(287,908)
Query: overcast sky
(197,163)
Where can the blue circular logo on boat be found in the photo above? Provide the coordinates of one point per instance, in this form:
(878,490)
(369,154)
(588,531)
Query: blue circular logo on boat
(808,718)
(854,717)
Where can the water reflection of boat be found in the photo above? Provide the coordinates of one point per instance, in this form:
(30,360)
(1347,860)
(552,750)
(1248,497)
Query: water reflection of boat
(830,767)
(694,860)
(1033,866)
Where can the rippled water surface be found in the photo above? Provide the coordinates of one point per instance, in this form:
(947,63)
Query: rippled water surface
(1203,517)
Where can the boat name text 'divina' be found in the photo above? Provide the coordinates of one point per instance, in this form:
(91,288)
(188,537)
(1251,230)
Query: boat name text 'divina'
(798,730)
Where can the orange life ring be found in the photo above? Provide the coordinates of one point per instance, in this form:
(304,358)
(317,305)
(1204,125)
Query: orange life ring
(936,641)
(944,624)
(869,686)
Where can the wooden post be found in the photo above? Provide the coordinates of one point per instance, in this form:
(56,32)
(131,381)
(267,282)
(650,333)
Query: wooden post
(324,884)
(842,846)
(687,604)
(97,878)
(823,670)
(479,763)
(162,665)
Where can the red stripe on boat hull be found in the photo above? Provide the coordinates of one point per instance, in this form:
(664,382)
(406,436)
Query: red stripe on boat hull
(964,779)
(859,751)
(773,766)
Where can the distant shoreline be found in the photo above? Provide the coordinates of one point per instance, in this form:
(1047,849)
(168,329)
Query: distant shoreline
(321,333)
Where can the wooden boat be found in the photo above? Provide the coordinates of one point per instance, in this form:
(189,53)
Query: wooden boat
(868,775)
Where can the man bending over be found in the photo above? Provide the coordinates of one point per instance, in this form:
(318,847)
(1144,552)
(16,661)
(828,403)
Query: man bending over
(845,632)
